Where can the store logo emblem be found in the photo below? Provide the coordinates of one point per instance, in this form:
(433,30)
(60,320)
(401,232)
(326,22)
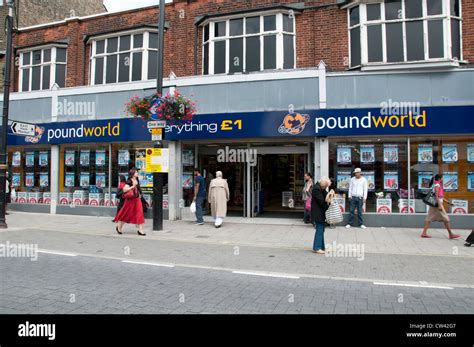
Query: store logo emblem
(38,133)
(294,124)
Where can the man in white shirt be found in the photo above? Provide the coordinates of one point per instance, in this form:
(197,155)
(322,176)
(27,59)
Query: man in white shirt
(357,197)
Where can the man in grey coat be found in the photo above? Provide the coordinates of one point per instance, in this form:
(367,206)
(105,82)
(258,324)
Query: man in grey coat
(218,197)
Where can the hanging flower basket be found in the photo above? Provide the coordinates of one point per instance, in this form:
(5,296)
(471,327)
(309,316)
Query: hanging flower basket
(172,108)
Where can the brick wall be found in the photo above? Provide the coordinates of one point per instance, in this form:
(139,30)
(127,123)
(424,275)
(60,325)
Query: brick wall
(321,34)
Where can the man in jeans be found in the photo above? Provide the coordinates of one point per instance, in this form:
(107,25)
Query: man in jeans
(357,197)
(199,195)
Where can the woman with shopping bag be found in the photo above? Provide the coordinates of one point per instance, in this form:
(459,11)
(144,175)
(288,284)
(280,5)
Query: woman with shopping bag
(132,210)
(320,201)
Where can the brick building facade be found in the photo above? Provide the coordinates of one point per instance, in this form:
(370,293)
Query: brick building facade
(321,33)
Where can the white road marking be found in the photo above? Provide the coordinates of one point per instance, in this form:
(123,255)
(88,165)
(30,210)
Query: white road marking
(265,274)
(57,253)
(411,285)
(146,263)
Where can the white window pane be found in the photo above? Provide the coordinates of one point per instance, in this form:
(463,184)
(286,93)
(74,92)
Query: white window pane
(61,75)
(111,69)
(37,57)
(25,83)
(355,46)
(252,53)
(99,70)
(219,29)
(47,55)
(137,66)
(219,57)
(415,45)
(36,78)
(27,58)
(354,16)
(374,43)
(138,41)
(61,55)
(100,47)
(124,67)
(152,64)
(435,38)
(125,43)
(455,38)
(435,7)
(46,77)
(252,25)
(206,59)
(269,52)
(393,9)
(414,9)
(394,35)
(153,40)
(269,23)
(288,52)
(373,12)
(236,53)
(236,27)
(112,45)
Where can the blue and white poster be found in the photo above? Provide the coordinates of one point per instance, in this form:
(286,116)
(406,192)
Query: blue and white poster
(367,154)
(44,179)
(84,157)
(16,159)
(100,179)
(84,180)
(390,181)
(450,153)
(344,154)
(69,158)
(100,158)
(70,180)
(30,159)
(470,181)
(470,152)
(390,154)
(43,158)
(16,180)
(424,179)
(343,180)
(123,157)
(425,153)
(450,181)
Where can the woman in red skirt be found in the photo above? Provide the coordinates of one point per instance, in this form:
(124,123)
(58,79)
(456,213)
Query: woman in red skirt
(132,210)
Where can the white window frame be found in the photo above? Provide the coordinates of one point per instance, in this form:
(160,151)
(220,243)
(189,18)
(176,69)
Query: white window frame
(145,50)
(52,63)
(278,33)
(446,17)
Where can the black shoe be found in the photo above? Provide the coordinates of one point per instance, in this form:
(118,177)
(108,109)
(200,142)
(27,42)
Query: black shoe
(117,230)
(138,232)
(467,244)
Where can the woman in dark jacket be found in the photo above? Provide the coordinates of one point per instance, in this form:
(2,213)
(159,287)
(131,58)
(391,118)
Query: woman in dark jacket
(320,200)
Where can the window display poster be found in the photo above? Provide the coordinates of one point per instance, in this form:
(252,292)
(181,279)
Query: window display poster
(390,154)
(188,157)
(30,159)
(69,158)
(146,179)
(370,177)
(384,205)
(390,181)
(450,181)
(187,180)
(43,158)
(100,157)
(16,159)
(424,179)
(69,180)
(100,179)
(450,153)
(344,154)
(140,159)
(470,152)
(85,157)
(343,180)
(84,179)
(425,153)
(44,179)
(123,157)
(29,179)
(470,181)
(367,154)
(16,180)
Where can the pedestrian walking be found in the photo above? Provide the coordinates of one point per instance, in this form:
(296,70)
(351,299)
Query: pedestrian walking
(218,197)
(119,195)
(438,213)
(132,209)
(199,195)
(357,197)
(8,190)
(306,196)
(470,239)
(320,201)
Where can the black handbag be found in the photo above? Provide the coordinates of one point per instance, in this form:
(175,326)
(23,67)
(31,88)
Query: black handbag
(430,199)
(144,204)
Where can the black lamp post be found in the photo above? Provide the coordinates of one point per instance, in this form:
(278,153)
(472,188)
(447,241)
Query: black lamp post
(158,178)
(6,102)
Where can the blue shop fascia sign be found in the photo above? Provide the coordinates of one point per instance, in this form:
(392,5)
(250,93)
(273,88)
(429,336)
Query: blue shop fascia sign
(328,122)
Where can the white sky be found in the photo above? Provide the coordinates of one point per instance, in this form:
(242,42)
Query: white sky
(119,5)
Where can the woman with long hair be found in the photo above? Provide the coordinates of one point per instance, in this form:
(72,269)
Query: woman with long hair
(132,210)
(306,196)
(321,199)
(438,213)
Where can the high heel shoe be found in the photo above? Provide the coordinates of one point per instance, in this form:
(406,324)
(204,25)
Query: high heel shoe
(117,230)
(139,233)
